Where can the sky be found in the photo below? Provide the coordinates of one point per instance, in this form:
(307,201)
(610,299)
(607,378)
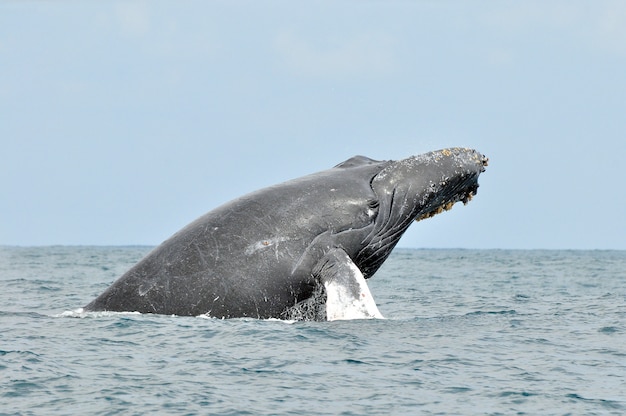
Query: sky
(122,121)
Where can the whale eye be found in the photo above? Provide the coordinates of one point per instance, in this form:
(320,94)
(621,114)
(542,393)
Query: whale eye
(373,204)
(372,208)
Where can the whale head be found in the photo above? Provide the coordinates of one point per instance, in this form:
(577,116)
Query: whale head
(413,189)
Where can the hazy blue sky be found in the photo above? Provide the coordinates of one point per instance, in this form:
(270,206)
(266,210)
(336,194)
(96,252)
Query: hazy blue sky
(122,121)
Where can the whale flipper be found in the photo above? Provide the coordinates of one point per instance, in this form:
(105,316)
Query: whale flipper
(347,294)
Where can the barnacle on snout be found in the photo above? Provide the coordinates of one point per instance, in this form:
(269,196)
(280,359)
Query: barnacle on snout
(469,195)
(437,210)
(447,205)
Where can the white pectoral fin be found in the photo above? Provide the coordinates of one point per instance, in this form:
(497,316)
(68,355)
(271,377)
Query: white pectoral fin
(347,294)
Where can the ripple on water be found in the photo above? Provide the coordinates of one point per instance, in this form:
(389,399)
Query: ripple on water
(484,332)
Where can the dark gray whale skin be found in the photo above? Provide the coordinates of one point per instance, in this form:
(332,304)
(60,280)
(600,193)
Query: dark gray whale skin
(259,255)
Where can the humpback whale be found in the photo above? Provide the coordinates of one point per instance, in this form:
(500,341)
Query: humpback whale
(302,249)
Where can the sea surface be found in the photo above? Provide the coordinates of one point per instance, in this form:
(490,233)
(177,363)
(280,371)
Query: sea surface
(485,332)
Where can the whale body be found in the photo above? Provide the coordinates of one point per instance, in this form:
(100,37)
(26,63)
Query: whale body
(302,249)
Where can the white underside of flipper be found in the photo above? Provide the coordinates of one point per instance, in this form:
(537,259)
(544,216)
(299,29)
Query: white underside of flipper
(347,294)
(342,304)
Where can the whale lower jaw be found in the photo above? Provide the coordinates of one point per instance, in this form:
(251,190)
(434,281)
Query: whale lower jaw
(447,206)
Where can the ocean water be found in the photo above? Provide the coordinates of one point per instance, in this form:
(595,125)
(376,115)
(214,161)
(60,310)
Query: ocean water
(484,332)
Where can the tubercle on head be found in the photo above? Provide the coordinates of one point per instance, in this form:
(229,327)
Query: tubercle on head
(458,155)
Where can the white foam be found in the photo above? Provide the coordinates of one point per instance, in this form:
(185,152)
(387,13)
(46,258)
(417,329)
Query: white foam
(82,313)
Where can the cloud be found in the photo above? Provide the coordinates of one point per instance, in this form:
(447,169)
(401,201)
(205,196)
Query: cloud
(133,18)
(524,15)
(596,25)
(611,27)
(362,56)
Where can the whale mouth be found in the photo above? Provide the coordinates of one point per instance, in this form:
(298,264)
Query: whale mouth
(465,198)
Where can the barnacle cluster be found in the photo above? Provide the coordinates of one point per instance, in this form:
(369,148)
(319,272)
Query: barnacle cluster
(446,206)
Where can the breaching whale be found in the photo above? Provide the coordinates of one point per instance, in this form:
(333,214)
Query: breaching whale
(301,249)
